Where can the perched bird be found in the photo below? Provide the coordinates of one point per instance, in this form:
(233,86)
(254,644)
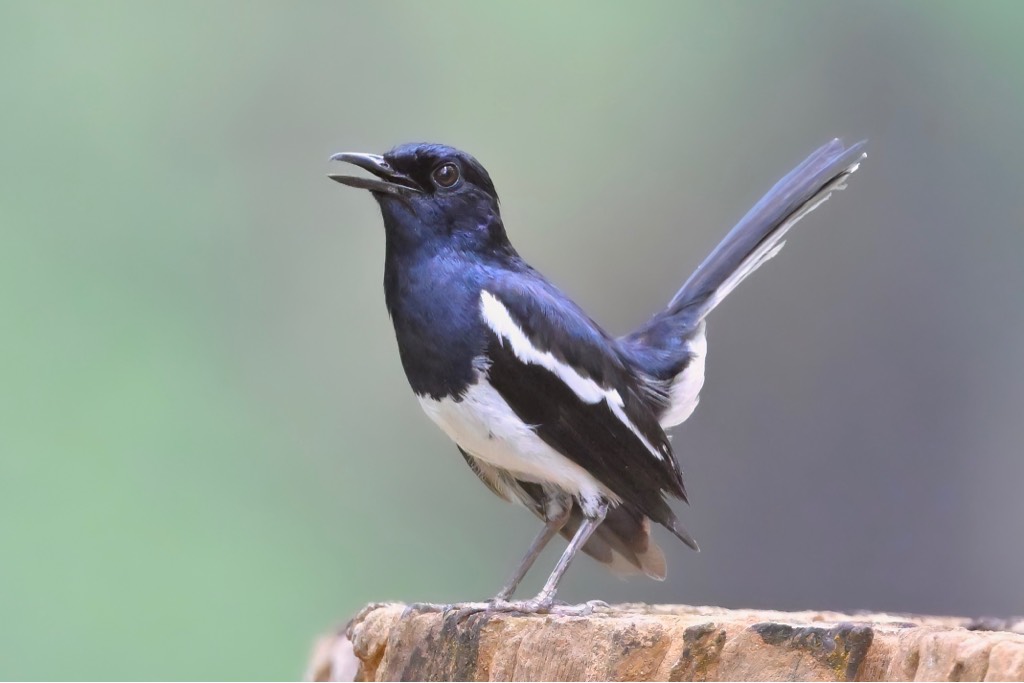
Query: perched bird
(548,409)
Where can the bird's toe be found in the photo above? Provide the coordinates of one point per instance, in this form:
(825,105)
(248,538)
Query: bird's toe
(423,607)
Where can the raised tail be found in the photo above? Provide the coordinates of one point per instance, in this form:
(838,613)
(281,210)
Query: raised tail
(670,347)
(758,235)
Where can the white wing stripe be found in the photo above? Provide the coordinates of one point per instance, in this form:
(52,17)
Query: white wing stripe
(621,414)
(499,320)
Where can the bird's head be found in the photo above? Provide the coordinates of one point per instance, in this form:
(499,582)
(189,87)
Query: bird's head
(430,196)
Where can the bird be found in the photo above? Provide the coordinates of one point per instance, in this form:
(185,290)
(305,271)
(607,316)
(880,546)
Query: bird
(549,410)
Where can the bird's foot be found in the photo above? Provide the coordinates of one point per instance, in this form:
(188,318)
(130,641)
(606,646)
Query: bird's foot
(537,605)
(591,606)
(584,609)
(465,610)
(423,607)
(461,611)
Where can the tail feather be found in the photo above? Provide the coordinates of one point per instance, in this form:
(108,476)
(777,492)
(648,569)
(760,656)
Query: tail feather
(663,346)
(623,542)
(758,235)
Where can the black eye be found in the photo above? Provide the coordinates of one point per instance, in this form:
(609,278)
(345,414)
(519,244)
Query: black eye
(446,175)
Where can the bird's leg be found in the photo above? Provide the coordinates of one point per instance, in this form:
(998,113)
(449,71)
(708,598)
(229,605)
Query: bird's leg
(543,601)
(554,521)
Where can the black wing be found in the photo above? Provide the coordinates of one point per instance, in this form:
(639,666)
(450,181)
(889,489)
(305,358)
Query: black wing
(562,374)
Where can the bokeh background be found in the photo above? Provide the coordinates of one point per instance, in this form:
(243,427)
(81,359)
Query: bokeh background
(208,451)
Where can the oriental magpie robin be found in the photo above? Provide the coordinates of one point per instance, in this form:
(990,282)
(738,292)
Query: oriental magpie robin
(548,409)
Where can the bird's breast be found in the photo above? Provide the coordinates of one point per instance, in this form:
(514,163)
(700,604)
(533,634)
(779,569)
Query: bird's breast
(434,306)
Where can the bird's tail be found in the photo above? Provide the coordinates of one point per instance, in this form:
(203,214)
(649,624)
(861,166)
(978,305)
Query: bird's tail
(666,344)
(623,541)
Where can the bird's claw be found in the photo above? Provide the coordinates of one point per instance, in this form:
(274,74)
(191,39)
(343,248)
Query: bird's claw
(423,607)
(548,606)
(463,610)
(590,606)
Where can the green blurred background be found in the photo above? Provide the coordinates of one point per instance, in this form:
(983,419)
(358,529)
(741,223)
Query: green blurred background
(208,452)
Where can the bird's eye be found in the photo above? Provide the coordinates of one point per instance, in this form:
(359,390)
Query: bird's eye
(446,175)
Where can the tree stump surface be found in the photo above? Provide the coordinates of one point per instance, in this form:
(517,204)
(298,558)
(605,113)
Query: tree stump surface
(669,643)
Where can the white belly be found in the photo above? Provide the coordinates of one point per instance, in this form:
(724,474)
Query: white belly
(484,425)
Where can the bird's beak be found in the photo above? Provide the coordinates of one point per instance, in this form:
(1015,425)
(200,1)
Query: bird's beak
(391,181)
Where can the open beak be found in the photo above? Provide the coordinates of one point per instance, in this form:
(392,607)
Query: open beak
(390,181)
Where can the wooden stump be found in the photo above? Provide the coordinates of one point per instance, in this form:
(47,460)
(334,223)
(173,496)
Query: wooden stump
(669,642)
